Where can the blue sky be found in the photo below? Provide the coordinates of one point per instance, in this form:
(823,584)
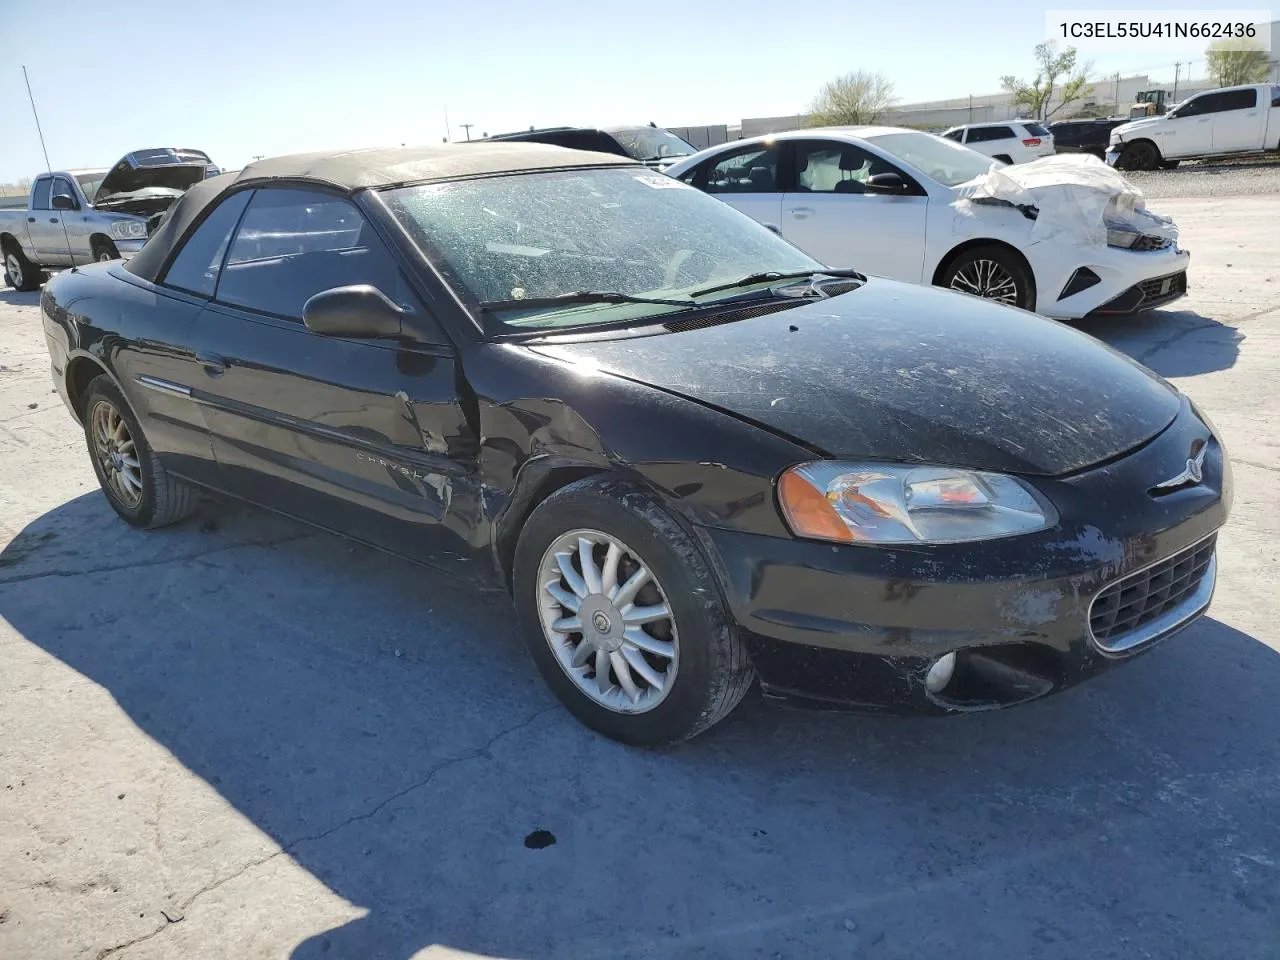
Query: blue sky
(276,77)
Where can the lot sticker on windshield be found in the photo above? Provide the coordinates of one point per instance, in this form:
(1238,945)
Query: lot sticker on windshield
(660,181)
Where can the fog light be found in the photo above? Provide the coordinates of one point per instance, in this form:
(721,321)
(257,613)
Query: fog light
(939,674)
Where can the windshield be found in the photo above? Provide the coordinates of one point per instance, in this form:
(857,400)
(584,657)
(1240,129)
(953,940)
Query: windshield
(627,230)
(940,159)
(650,143)
(89,183)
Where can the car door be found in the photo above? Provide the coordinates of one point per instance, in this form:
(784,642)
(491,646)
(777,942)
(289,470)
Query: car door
(1188,131)
(365,437)
(44,225)
(1239,121)
(829,212)
(73,240)
(155,359)
(746,178)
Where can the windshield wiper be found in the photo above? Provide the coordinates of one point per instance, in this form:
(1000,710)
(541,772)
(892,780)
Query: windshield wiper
(777,275)
(581,296)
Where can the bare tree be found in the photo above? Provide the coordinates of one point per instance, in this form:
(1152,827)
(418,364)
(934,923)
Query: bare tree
(1239,65)
(856,97)
(1053,69)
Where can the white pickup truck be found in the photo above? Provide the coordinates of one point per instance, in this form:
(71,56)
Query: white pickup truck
(79,216)
(1210,124)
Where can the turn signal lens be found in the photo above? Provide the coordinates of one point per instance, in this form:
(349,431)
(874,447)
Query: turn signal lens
(808,512)
(892,503)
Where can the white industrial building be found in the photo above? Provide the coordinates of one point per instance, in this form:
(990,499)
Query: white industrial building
(1105,97)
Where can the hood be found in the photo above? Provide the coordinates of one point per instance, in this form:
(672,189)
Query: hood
(1133,126)
(897,372)
(157,171)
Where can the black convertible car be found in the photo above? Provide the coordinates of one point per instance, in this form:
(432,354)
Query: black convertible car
(692,454)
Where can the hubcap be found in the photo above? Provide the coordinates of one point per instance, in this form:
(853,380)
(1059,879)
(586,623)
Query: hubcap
(117,454)
(607,621)
(986,279)
(14,268)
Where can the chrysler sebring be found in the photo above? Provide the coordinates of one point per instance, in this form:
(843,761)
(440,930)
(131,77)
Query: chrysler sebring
(691,454)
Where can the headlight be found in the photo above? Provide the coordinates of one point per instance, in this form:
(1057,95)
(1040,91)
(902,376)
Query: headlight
(1122,237)
(890,503)
(129,230)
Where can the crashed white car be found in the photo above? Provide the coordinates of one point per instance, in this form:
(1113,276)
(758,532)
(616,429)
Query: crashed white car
(1065,236)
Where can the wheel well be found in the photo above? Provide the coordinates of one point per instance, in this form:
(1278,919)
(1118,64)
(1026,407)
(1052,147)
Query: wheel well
(98,238)
(80,373)
(968,245)
(1148,141)
(511,522)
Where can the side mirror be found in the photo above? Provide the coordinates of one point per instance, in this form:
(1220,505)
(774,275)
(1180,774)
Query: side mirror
(362,311)
(62,202)
(885,183)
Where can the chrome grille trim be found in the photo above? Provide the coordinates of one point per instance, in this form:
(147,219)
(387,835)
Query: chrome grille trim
(1154,601)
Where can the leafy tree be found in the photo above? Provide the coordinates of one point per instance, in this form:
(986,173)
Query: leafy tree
(1231,68)
(1053,69)
(856,97)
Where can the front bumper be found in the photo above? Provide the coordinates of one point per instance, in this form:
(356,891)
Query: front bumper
(1113,154)
(1117,271)
(128,248)
(860,626)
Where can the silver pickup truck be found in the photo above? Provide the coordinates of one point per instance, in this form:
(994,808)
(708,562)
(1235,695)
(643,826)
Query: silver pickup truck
(79,216)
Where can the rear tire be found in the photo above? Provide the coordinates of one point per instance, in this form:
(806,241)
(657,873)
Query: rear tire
(23,275)
(992,272)
(132,477)
(705,670)
(1169,164)
(104,250)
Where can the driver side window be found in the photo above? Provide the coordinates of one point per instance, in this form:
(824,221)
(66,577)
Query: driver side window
(826,166)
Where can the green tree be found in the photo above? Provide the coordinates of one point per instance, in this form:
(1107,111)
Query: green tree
(856,97)
(1053,69)
(1238,65)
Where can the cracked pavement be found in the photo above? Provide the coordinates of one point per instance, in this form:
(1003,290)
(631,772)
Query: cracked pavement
(241,738)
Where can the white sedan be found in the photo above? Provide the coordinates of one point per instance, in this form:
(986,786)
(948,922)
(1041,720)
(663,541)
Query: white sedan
(902,204)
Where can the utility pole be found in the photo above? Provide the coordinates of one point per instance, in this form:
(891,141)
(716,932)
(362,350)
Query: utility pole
(448,133)
(1117,91)
(1177,71)
(467,127)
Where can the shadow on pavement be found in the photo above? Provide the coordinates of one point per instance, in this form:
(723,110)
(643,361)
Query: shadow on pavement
(13,297)
(1173,343)
(386,727)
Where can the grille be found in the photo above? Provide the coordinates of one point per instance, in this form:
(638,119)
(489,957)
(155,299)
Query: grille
(1152,289)
(1121,611)
(730,316)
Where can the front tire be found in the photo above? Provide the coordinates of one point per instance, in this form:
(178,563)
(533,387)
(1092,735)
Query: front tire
(1139,155)
(623,616)
(105,250)
(992,272)
(24,276)
(134,480)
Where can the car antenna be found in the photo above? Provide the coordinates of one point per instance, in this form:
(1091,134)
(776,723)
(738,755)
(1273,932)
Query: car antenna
(47,165)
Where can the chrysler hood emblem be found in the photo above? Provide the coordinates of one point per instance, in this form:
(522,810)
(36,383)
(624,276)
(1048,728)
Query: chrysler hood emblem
(1193,473)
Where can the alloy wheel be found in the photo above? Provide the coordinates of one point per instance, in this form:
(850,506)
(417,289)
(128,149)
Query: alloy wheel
(13,266)
(607,621)
(986,279)
(117,454)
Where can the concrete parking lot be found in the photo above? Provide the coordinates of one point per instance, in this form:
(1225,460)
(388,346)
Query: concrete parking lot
(241,738)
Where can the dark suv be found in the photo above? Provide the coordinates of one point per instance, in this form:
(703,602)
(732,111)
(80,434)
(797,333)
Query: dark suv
(1089,135)
(650,145)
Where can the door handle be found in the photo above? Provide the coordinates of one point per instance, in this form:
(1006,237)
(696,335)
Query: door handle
(53,219)
(214,365)
(31,219)
(801,212)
